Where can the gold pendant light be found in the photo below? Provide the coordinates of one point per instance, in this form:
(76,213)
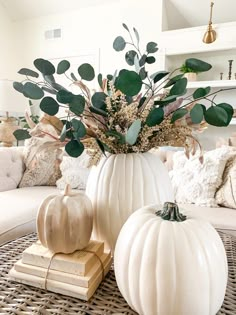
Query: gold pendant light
(210,35)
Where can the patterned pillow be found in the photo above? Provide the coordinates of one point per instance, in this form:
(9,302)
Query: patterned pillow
(226,194)
(42,159)
(197,183)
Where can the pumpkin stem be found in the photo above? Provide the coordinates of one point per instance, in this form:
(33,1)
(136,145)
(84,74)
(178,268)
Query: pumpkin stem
(171,212)
(67,190)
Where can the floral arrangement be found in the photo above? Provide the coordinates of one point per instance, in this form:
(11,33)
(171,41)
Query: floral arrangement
(133,110)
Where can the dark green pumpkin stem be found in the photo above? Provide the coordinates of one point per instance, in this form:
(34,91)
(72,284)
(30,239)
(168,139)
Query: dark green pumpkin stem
(171,212)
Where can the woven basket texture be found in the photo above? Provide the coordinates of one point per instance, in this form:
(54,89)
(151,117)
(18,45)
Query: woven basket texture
(16,298)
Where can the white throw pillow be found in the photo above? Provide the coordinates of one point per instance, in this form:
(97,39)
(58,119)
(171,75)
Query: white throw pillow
(74,171)
(197,183)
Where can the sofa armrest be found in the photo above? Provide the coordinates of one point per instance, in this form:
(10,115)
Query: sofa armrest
(11,167)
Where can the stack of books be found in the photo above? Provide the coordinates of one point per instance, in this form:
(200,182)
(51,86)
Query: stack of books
(78,274)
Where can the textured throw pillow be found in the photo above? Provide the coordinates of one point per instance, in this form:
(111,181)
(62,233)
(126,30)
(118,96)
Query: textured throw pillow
(42,159)
(74,171)
(226,194)
(197,183)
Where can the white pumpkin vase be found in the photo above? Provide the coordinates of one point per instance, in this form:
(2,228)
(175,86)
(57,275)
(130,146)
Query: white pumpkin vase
(121,184)
(64,222)
(166,264)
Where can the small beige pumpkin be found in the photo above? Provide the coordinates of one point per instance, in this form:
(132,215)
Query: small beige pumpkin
(64,222)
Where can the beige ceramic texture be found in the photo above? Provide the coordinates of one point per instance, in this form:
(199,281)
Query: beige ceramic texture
(173,268)
(64,222)
(121,184)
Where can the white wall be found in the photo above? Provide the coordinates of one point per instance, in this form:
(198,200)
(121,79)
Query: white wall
(93,29)
(8,54)
(88,29)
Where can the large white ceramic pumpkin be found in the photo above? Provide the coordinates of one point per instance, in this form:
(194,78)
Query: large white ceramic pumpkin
(121,184)
(166,267)
(64,222)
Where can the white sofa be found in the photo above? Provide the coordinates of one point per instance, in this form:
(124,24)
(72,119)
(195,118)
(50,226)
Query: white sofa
(18,207)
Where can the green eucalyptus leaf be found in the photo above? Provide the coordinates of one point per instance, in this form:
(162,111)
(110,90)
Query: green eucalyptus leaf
(117,135)
(21,134)
(167,100)
(125,26)
(100,80)
(151,47)
(102,146)
(201,92)
(110,77)
(179,113)
(28,73)
(136,34)
(129,82)
(155,117)
(44,66)
(49,106)
(197,65)
(98,100)
(173,80)
(73,77)
(229,109)
(129,99)
(74,148)
(160,75)
(143,73)
(86,72)
(216,116)
(78,127)
(33,91)
(133,132)
(18,86)
(179,88)
(77,104)
(150,59)
(129,57)
(196,114)
(141,102)
(64,97)
(58,87)
(63,66)
(63,133)
(119,43)
(49,78)
(142,60)
(51,91)
(98,111)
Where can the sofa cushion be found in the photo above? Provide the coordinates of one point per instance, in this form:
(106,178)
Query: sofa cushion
(226,194)
(19,209)
(12,168)
(220,218)
(196,182)
(42,159)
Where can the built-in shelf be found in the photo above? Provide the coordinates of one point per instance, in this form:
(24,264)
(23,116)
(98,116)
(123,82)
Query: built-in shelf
(216,84)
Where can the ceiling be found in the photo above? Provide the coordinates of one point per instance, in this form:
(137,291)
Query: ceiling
(27,9)
(185,13)
(178,13)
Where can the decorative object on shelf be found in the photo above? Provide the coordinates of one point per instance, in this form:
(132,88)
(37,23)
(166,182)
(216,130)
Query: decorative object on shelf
(122,183)
(10,102)
(210,35)
(78,274)
(189,73)
(64,222)
(230,69)
(133,112)
(166,263)
(221,76)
